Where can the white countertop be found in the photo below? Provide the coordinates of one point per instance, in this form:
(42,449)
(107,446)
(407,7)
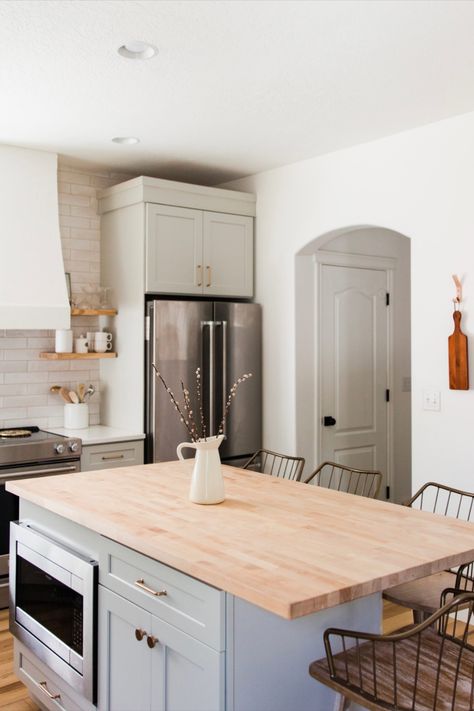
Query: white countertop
(98,434)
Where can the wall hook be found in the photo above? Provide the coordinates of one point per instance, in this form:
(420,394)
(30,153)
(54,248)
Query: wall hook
(458,298)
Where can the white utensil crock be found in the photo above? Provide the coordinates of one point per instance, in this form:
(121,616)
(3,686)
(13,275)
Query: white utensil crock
(76,417)
(207,483)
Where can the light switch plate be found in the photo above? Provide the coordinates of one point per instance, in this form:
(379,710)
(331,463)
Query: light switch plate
(432,400)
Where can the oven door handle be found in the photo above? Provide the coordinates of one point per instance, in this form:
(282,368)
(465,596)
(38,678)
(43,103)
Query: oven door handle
(34,472)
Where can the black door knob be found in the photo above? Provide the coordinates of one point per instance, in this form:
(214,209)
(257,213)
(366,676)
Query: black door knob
(329,421)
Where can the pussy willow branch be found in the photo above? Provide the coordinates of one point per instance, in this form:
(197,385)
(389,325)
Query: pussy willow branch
(230,397)
(189,412)
(175,403)
(199,399)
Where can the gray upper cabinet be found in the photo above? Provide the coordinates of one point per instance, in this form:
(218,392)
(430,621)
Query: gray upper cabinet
(227,254)
(198,252)
(173,252)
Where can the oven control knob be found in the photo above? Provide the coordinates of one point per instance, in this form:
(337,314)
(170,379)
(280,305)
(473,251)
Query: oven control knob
(73,446)
(59,448)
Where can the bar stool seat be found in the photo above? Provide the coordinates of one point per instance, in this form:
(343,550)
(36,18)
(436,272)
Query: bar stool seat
(425,667)
(406,676)
(422,595)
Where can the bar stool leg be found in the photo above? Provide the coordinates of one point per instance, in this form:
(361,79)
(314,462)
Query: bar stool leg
(419,616)
(341,704)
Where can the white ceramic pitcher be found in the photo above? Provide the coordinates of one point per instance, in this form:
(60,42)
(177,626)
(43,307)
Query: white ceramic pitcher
(207,483)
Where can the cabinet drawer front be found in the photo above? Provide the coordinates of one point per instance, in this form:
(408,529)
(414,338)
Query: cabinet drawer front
(109,456)
(189,605)
(43,686)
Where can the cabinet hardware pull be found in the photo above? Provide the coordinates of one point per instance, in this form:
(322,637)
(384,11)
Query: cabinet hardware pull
(43,686)
(139,634)
(208,275)
(112,456)
(141,584)
(199,275)
(151,641)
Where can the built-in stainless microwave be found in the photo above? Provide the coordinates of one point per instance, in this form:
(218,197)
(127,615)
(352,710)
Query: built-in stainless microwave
(53,605)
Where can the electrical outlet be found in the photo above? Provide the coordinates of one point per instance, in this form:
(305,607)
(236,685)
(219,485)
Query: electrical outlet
(432,400)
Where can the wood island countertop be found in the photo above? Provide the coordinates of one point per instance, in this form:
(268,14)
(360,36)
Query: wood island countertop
(287,547)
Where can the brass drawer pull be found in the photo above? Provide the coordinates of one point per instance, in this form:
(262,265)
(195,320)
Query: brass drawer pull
(43,687)
(151,641)
(208,276)
(112,456)
(199,275)
(139,634)
(141,584)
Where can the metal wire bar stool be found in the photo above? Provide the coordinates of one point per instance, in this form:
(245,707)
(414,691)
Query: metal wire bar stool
(362,482)
(280,465)
(423,595)
(429,667)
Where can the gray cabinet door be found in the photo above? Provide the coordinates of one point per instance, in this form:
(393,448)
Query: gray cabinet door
(167,670)
(228,254)
(173,250)
(186,674)
(124,662)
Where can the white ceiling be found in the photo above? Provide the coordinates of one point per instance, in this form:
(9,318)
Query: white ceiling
(237,87)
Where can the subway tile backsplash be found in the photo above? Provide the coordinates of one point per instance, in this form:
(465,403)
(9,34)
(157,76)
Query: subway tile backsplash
(25,380)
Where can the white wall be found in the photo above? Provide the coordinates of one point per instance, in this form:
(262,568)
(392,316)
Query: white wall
(418,183)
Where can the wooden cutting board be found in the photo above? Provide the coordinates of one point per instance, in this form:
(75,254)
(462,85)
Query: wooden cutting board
(458,361)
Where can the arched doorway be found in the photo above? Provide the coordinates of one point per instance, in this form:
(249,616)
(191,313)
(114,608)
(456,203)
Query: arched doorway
(353,353)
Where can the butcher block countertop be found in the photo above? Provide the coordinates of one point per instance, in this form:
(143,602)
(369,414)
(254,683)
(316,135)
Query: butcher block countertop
(287,547)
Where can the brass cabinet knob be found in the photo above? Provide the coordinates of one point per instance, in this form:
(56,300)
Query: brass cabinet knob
(139,634)
(151,641)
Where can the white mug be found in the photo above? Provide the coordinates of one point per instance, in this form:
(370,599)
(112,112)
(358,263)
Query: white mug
(81,345)
(63,342)
(108,335)
(101,344)
(90,340)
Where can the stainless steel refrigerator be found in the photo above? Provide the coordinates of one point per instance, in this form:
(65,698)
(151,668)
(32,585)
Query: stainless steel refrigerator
(224,340)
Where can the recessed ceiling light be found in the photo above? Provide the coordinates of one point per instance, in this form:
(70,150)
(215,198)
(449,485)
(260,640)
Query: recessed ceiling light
(126,140)
(137,50)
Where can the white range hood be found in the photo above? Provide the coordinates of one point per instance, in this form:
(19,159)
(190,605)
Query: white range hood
(33,292)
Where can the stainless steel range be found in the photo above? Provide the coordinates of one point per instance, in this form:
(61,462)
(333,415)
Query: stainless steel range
(29,452)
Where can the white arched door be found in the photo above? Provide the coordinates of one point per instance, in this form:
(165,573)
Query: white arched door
(355,367)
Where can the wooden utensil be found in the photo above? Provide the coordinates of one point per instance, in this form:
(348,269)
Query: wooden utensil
(74,397)
(458,361)
(81,391)
(55,389)
(64,392)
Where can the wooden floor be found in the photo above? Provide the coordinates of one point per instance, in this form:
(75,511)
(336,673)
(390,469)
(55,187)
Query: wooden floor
(14,696)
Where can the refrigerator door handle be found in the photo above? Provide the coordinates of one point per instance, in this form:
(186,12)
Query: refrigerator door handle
(211,325)
(224,374)
(151,375)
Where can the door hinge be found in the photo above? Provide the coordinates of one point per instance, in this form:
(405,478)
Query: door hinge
(387,395)
(147,328)
(387,299)
(387,492)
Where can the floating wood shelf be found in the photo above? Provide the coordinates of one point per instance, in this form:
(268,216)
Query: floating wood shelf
(76,356)
(93,312)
